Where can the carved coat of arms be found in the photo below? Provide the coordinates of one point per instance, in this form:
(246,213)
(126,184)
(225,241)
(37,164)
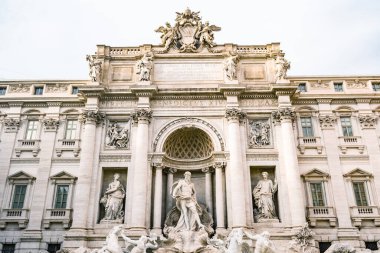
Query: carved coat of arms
(188,34)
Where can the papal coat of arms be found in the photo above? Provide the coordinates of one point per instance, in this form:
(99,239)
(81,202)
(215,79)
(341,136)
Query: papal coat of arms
(189,34)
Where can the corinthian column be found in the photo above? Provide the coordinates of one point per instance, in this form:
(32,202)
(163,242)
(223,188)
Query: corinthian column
(235,169)
(83,186)
(290,166)
(208,186)
(140,170)
(157,211)
(169,184)
(219,195)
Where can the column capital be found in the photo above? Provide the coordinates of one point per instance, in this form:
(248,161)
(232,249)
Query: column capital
(92,116)
(219,165)
(208,170)
(142,115)
(235,114)
(158,165)
(327,121)
(50,124)
(283,113)
(170,170)
(367,120)
(11,124)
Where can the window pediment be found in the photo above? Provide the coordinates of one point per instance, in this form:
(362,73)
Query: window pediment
(63,176)
(316,174)
(358,173)
(21,176)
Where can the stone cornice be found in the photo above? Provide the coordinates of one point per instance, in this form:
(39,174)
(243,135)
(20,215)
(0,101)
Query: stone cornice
(231,89)
(144,91)
(91,91)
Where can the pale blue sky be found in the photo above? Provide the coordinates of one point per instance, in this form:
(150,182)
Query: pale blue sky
(48,39)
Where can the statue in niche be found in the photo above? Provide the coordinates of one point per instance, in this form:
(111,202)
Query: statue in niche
(282,67)
(263,194)
(95,68)
(144,67)
(259,134)
(230,67)
(113,200)
(263,244)
(186,202)
(118,137)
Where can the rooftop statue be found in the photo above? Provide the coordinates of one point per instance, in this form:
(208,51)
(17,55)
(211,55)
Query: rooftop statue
(282,67)
(95,68)
(189,33)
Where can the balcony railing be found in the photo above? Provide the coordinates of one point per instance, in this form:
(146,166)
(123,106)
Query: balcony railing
(321,213)
(360,213)
(351,142)
(309,143)
(28,146)
(20,216)
(68,145)
(58,215)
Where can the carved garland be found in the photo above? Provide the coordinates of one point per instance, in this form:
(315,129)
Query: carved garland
(51,124)
(178,121)
(367,121)
(327,121)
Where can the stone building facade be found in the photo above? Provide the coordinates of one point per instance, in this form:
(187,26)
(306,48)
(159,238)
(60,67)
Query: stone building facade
(226,113)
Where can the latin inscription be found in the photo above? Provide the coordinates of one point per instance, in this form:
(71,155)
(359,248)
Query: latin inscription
(188,72)
(188,103)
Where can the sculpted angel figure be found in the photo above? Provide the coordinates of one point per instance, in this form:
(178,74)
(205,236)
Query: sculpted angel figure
(140,245)
(113,200)
(168,34)
(144,66)
(95,68)
(230,67)
(263,195)
(282,67)
(185,195)
(206,33)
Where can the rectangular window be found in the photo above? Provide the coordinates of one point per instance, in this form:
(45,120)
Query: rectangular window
(8,248)
(19,196)
(302,87)
(61,196)
(307,127)
(74,90)
(38,90)
(3,90)
(376,86)
(31,130)
(360,193)
(338,87)
(71,129)
(346,126)
(317,194)
(53,247)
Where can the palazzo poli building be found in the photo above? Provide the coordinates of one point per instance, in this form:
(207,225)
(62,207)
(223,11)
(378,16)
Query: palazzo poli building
(224,112)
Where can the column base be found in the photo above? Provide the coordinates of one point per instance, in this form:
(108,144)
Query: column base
(157,231)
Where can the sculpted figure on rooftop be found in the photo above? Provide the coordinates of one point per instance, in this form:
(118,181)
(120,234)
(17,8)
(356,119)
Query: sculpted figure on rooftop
(95,68)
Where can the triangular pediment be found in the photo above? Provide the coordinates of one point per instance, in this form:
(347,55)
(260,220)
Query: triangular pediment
(316,173)
(63,175)
(21,175)
(358,173)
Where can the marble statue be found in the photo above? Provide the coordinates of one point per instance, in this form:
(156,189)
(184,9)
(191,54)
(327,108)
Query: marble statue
(168,35)
(263,244)
(217,243)
(263,195)
(118,138)
(230,67)
(112,241)
(282,67)
(185,195)
(144,67)
(235,241)
(95,68)
(302,242)
(113,200)
(141,245)
(206,33)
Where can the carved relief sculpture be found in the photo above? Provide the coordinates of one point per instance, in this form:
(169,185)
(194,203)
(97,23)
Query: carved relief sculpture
(117,137)
(19,88)
(113,200)
(327,121)
(263,244)
(282,67)
(56,88)
(302,241)
(144,67)
(51,124)
(259,133)
(11,124)
(367,120)
(95,67)
(230,67)
(356,84)
(141,245)
(188,34)
(263,196)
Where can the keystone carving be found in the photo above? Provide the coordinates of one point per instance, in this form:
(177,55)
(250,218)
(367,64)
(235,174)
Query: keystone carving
(327,121)
(367,120)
